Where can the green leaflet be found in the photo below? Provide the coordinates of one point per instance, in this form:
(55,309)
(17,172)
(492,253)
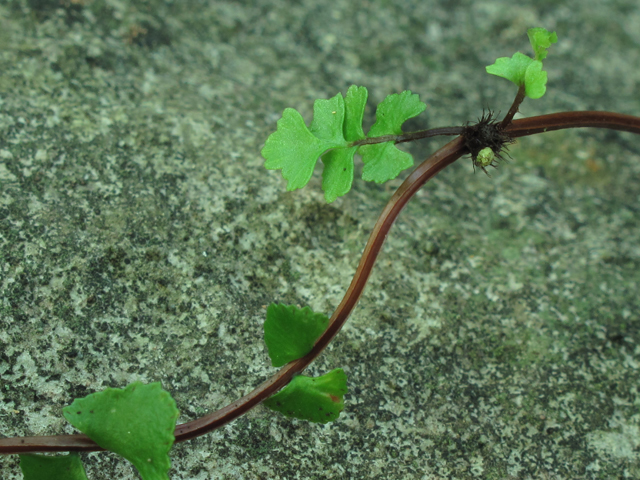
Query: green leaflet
(393,111)
(337,176)
(318,399)
(290,332)
(59,467)
(513,69)
(523,70)
(337,123)
(293,149)
(541,39)
(137,423)
(328,120)
(384,161)
(354,104)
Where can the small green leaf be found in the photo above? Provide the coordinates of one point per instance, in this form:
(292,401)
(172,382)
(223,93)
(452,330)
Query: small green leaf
(535,80)
(393,111)
(336,124)
(294,149)
(290,332)
(541,39)
(136,423)
(354,112)
(337,175)
(513,69)
(523,70)
(59,467)
(328,117)
(383,161)
(318,399)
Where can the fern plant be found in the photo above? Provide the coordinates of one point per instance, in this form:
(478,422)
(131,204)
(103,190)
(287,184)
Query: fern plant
(138,422)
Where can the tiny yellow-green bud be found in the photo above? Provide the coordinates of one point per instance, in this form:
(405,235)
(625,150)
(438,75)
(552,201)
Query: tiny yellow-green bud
(485,157)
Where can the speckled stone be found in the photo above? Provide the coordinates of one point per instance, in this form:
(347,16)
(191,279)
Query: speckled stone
(141,239)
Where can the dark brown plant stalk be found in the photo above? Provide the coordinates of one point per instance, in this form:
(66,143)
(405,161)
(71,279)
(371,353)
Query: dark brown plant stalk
(508,118)
(444,157)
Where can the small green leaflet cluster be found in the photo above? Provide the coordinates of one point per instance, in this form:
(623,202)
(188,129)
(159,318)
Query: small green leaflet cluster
(290,333)
(336,127)
(136,423)
(526,71)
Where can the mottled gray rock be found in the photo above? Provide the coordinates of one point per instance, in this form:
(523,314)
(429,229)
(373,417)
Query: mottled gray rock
(141,239)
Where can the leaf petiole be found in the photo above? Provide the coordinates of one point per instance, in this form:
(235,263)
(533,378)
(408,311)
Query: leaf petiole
(409,136)
(514,107)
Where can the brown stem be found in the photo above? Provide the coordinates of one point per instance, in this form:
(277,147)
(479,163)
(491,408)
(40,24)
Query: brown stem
(514,108)
(558,121)
(426,170)
(433,132)
(409,137)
